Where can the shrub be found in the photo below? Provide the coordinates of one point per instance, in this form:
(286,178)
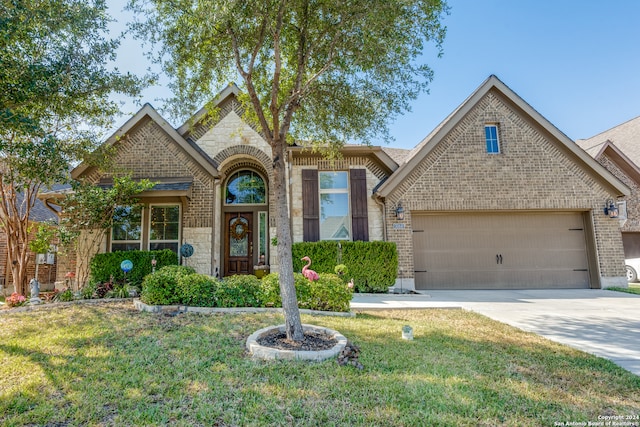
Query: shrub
(106,267)
(329,293)
(65,295)
(372,265)
(160,288)
(239,291)
(197,290)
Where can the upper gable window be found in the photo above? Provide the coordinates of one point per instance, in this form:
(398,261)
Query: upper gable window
(245,188)
(491,137)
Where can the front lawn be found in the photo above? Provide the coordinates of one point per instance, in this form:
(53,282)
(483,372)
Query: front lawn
(108,364)
(634,288)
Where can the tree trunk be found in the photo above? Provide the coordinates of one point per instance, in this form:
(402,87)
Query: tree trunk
(293,323)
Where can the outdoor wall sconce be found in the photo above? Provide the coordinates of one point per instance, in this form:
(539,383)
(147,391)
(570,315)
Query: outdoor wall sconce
(611,209)
(399,211)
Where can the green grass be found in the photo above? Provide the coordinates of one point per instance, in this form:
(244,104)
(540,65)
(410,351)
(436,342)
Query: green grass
(634,288)
(108,364)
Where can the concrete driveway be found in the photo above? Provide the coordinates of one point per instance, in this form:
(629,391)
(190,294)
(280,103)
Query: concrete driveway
(600,322)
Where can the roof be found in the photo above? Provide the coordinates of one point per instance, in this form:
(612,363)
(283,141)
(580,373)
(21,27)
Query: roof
(399,155)
(147,111)
(626,137)
(420,152)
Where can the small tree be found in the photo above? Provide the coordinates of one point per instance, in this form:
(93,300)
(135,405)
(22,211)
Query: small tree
(87,216)
(311,70)
(45,235)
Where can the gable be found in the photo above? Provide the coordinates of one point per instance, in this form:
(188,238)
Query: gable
(142,142)
(537,162)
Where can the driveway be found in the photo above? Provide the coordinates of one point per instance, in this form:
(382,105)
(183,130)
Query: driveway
(600,322)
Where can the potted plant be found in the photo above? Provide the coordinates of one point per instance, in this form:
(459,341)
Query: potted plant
(260,270)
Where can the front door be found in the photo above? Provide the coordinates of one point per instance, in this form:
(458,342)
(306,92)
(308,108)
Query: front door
(238,243)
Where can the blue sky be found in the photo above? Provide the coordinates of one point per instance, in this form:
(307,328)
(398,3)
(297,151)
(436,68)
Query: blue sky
(577,62)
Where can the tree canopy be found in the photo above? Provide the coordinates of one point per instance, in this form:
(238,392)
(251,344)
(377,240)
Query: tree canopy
(320,71)
(55,84)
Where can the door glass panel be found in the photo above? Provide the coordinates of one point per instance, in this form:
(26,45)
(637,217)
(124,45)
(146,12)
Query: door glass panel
(238,237)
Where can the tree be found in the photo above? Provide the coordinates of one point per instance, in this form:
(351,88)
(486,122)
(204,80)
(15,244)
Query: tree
(310,70)
(54,98)
(88,214)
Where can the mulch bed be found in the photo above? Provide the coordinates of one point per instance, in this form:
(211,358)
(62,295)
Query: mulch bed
(313,341)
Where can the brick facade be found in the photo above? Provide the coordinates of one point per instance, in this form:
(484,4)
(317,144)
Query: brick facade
(533,172)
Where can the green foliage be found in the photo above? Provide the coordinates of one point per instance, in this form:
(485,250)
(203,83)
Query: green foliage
(55,101)
(160,288)
(45,234)
(106,266)
(89,207)
(372,265)
(341,270)
(64,296)
(239,291)
(329,293)
(197,290)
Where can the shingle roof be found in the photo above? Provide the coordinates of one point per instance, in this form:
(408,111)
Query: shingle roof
(626,137)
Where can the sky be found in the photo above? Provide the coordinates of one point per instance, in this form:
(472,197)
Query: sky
(577,62)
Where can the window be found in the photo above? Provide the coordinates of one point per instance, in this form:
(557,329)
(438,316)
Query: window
(164,227)
(491,136)
(262,237)
(127,228)
(161,228)
(334,206)
(245,188)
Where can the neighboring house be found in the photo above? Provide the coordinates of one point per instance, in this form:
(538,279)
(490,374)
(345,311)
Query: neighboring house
(47,268)
(618,150)
(494,197)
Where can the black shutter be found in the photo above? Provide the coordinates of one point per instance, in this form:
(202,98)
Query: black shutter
(310,206)
(359,217)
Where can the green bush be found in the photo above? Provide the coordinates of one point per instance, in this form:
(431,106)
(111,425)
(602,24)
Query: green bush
(160,288)
(329,293)
(372,265)
(239,291)
(104,266)
(197,290)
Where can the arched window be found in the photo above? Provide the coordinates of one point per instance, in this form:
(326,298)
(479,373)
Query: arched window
(245,188)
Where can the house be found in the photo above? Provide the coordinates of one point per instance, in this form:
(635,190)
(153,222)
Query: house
(618,150)
(494,197)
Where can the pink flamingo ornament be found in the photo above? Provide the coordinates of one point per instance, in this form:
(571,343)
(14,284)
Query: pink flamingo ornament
(308,273)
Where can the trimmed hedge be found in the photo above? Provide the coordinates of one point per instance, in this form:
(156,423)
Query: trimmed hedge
(197,290)
(181,285)
(161,287)
(105,265)
(329,293)
(372,265)
(239,291)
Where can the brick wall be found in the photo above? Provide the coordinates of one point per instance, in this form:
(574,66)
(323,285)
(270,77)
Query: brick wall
(532,172)
(633,200)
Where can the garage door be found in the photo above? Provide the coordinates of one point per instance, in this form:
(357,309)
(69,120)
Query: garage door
(500,251)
